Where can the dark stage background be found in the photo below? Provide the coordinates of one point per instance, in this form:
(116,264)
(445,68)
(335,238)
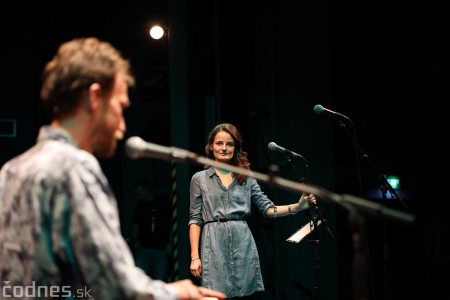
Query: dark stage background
(264,65)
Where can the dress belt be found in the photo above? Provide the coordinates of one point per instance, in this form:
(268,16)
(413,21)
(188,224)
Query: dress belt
(224,220)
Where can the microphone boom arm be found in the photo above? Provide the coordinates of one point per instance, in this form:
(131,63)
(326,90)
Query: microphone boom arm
(347,202)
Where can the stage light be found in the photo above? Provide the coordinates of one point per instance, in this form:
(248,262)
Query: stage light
(157,32)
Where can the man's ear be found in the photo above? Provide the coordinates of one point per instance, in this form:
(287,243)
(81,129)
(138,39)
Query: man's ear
(94,97)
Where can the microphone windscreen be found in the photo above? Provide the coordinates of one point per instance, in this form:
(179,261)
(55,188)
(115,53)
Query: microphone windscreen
(272,146)
(318,109)
(133,145)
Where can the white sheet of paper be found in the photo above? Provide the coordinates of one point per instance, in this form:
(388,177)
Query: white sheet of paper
(303,232)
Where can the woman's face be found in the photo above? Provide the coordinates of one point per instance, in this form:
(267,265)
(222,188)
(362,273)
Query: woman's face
(223,147)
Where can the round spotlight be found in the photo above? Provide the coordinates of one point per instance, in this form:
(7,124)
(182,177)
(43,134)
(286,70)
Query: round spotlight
(156,32)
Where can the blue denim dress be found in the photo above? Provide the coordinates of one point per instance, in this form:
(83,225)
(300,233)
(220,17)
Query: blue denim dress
(230,259)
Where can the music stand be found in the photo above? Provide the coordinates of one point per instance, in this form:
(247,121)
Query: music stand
(298,236)
(301,233)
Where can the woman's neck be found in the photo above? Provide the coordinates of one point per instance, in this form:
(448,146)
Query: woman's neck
(222,171)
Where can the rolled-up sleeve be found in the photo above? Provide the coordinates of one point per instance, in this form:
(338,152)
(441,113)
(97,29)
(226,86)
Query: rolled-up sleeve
(196,201)
(259,199)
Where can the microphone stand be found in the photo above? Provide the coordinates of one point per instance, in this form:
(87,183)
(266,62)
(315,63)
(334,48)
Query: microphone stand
(136,148)
(384,189)
(302,180)
(314,239)
(385,186)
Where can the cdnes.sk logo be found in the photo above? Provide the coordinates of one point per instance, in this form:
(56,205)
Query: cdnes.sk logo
(9,290)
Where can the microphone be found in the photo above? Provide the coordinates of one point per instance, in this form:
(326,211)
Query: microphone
(274,147)
(319,109)
(135,147)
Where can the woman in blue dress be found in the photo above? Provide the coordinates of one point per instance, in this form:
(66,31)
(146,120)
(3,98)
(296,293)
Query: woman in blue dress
(223,251)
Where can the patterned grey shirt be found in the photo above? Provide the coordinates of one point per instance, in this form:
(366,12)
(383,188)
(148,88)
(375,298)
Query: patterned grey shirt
(59,228)
(230,259)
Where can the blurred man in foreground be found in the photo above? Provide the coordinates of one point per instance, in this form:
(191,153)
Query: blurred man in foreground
(59,225)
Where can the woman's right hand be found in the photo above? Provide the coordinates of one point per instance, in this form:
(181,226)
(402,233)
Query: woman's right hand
(196,268)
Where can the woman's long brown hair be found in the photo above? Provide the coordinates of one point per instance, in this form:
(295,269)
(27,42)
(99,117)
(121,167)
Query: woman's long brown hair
(240,157)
